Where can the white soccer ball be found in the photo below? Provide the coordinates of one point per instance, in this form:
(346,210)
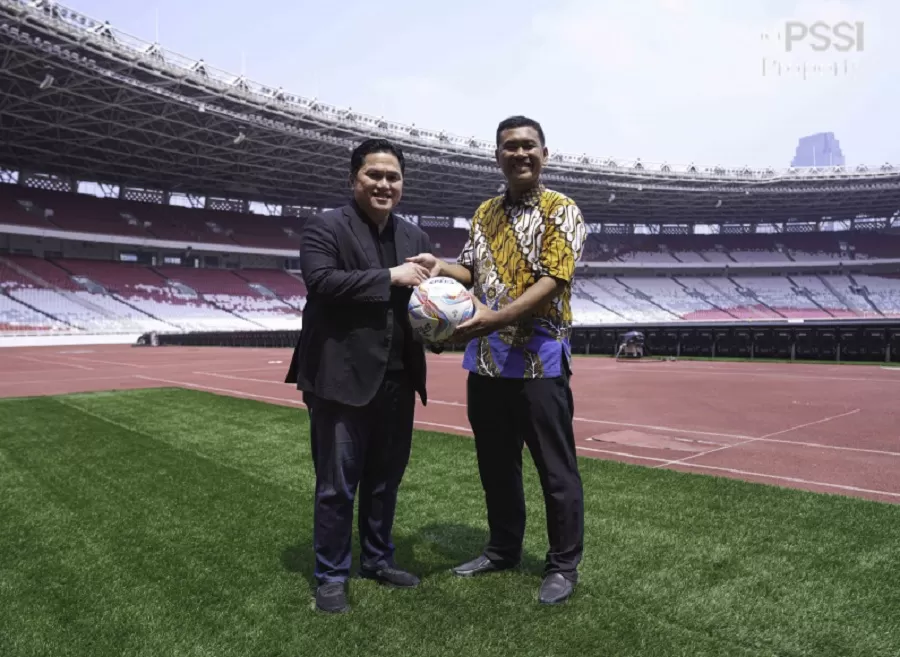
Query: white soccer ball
(437,306)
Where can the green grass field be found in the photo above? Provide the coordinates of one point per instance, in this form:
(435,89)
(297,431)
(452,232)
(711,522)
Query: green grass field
(166,523)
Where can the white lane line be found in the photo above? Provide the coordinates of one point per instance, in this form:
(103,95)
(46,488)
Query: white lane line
(642,426)
(65,382)
(286,400)
(760,439)
(811,424)
(795,480)
(662,428)
(56,363)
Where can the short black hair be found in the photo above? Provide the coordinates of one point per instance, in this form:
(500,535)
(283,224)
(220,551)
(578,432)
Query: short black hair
(370,146)
(520,122)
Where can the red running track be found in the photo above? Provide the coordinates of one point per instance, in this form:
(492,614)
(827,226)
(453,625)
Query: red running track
(825,428)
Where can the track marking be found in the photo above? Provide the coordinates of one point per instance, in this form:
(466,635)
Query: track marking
(810,424)
(50,362)
(30,370)
(262,368)
(200,386)
(444,426)
(578,419)
(106,362)
(863,450)
(761,438)
(294,402)
(625,454)
(440,402)
(795,480)
(239,393)
(239,378)
(743,438)
(66,381)
(659,428)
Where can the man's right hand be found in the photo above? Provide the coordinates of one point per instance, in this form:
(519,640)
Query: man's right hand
(432,263)
(409,274)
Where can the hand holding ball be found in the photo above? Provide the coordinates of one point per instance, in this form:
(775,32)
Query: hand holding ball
(437,306)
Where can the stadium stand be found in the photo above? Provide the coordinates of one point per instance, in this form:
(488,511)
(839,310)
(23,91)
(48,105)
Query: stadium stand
(98,295)
(111,297)
(745,248)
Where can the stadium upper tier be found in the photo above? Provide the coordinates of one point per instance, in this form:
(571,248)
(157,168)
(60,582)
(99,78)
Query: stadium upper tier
(83,100)
(137,223)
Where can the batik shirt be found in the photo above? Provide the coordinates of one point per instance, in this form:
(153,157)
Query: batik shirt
(510,246)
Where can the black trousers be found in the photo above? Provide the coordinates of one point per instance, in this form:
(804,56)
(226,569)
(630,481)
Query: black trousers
(359,449)
(504,415)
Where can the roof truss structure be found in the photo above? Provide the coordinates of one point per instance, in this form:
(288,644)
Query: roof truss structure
(79,98)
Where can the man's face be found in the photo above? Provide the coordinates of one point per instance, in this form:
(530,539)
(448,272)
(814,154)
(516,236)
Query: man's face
(521,156)
(378,185)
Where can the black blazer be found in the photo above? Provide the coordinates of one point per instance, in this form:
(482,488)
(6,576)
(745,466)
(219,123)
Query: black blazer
(347,327)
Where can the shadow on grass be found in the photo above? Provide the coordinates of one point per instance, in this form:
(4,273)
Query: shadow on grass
(457,543)
(433,549)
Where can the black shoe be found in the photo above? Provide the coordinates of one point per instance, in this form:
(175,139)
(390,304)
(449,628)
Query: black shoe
(478,565)
(555,589)
(332,598)
(391,577)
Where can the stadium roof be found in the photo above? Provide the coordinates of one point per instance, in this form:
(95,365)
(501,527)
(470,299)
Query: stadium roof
(85,100)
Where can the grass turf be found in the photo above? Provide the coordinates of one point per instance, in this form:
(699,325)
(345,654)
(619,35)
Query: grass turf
(177,523)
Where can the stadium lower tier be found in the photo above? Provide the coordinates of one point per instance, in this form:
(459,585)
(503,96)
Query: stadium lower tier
(673,298)
(84,296)
(39,296)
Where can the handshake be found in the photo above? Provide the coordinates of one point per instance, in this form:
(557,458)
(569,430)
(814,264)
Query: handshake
(416,270)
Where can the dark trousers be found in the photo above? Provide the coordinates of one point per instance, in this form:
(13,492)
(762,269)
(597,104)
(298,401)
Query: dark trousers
(504,415)
(364,449)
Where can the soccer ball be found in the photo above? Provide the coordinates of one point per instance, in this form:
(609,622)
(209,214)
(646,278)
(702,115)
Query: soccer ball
(437,306)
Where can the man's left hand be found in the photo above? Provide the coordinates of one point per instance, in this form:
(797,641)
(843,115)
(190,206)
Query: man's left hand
(484,322)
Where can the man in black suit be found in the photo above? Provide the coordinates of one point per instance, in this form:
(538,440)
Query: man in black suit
(359,368)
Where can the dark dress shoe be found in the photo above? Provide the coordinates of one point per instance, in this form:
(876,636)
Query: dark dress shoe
(478,565)
(391,577)
(555,589)
(332,598)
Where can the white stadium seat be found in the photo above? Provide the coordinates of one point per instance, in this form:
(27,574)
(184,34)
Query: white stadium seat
(40,296)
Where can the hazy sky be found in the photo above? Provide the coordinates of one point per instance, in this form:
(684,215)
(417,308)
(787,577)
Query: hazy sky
(664,80)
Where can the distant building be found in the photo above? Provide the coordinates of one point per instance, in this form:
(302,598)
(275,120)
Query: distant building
(818,150)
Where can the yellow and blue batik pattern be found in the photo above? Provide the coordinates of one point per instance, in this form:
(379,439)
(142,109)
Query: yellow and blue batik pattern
(511,246)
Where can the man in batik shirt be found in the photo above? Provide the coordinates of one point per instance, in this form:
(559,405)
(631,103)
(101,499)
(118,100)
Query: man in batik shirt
(520,260)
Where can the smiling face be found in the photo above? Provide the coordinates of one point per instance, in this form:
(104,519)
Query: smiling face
(378,185)
(521,157)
